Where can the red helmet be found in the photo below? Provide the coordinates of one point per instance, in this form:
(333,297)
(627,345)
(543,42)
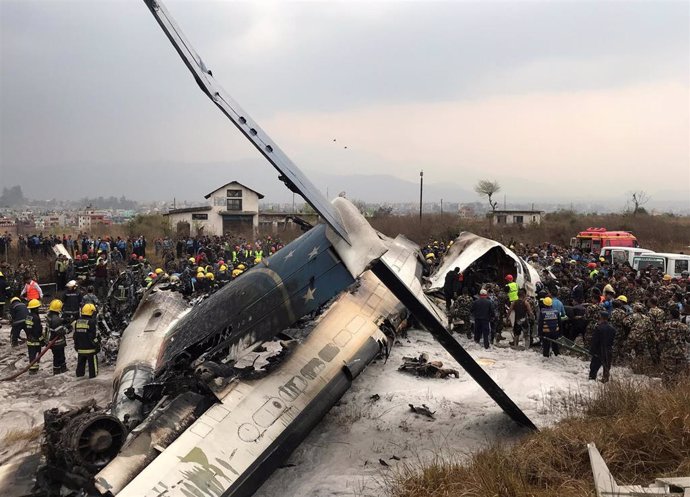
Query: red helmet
(84,257)
(134,257)
(592,265)
(220,262)
(509,277)
(141,257)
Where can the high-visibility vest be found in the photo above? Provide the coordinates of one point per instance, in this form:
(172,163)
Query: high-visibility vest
(32,291)
(512,291)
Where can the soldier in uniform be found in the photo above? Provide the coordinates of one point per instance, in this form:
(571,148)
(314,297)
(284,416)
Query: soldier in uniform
(591,317)
(617,320)
(460,310)
(655,338)
(674,360)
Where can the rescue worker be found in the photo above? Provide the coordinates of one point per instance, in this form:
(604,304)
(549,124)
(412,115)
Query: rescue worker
(511,288)
(223,275)
(674,349)
(549,326)
(482,310)
(57,330)
(71,300)
(602,347)
(86,341)
(18,315)
(31,290)
(4,295)
(34,333)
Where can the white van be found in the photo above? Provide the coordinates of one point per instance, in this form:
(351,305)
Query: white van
(622,255)
(673,264)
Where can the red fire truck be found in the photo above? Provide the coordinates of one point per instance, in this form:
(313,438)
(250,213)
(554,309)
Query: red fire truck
(594,239)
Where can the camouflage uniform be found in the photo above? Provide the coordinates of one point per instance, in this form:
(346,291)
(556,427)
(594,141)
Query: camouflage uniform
(618,320)
(564,295)
(655,338)
(460,310)
(592,317)
(674,360)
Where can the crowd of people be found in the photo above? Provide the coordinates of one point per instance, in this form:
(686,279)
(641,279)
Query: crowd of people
(98,278)
(619,315)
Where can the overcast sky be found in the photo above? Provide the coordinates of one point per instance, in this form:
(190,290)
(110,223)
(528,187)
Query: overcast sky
(592,99)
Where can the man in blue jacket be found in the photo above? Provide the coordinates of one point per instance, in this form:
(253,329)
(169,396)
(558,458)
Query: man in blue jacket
(482,310)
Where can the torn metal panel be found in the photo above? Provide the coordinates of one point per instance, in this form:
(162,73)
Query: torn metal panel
(468,248)
(59,249)
(606,486)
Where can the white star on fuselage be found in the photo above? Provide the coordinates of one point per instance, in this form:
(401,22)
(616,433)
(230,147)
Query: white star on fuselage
(313,253)
(290,254)
(309,295)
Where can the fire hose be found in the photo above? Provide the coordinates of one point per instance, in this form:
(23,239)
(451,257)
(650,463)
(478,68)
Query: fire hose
(38,358)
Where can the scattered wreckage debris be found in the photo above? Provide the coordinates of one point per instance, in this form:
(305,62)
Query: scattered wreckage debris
(423,410)
(429,369)
(606,486)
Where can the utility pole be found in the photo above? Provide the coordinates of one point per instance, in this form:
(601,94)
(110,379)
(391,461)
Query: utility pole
(421,190)
(441,206)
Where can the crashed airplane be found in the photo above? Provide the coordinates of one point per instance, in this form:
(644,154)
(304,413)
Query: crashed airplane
(186,417)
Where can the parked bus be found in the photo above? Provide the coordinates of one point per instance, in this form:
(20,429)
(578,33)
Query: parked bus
(594,239)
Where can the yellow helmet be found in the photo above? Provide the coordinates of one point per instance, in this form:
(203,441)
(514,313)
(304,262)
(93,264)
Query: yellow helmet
(430,255)
(224,267)
(622,298)
(200,276)
(241,267)
(210,276)
(34,304)
(15,299)
(548,302)
(236,272)
(55,305)
(158,271)
(667,277)
(192,260)
(88,309)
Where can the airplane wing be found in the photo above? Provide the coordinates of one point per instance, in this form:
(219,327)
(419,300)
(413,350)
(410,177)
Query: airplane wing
(291,175)
(420,307)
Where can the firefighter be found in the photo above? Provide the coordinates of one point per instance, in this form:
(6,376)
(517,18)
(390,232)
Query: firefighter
(86,341)
(56,330)
(18,315)
(71,300)
(34,333)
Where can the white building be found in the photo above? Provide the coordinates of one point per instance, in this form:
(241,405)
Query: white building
(232,208)
(503,217)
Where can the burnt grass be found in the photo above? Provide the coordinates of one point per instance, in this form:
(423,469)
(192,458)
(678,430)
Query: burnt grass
(641,429)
